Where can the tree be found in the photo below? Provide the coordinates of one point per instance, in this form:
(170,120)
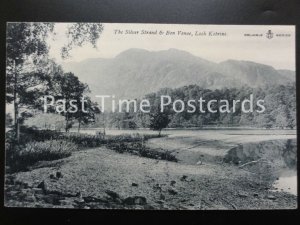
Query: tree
(74,104)
(158,121)
(27,49)
(79,34)
(25,42)
(87,116)
(67,87)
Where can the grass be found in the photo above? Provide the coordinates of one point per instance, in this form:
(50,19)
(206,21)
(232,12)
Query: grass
(20,157)
(46,145)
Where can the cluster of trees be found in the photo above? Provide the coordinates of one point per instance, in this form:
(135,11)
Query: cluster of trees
(67,87)
(279,103)
(30,74)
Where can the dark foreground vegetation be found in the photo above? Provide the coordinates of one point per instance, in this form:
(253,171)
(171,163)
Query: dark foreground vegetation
(47,145)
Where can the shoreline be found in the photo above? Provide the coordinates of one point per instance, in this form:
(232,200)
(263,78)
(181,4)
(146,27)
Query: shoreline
(143,183)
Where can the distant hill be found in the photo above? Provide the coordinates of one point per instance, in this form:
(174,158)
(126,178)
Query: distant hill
(136,72)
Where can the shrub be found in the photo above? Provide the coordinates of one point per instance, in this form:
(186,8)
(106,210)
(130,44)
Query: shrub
(84,140)
(132,137)
(138,148)
(20,157)
(91,141)
(29,134)
(48,150)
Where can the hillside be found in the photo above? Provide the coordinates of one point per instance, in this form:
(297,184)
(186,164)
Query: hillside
(136,72)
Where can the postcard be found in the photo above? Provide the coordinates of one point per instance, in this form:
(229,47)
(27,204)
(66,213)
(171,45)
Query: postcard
(150,116)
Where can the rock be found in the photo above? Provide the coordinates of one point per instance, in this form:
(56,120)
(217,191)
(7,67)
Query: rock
(25,185)
(242,194)
(183,178)
(162,197)
(53,199)
(39,196)
(30,198)
(134,184)
(66,202)
(118,201)
(135,200)
(157,187)
(38,191)
(89,199)
(59,174)
(79,201)
(112,194)
(183,207)
(22,184)
(173,191)
(43,186)
(26,191)
(199,162)
(173,182)
(271,197)
(71,194)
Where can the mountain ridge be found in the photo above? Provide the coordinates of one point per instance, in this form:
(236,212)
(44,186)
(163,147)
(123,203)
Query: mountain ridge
(136,72)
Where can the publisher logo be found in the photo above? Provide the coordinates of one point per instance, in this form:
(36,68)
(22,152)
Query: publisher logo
(269,35)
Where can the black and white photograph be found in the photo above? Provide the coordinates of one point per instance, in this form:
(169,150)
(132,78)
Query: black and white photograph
(138,116)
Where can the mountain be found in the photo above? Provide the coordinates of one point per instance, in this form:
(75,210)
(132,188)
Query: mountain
(288,74)
(136,72)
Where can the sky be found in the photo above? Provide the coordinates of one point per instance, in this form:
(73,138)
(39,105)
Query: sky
(278,51)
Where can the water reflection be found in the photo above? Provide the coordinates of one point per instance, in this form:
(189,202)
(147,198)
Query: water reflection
(274,160)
